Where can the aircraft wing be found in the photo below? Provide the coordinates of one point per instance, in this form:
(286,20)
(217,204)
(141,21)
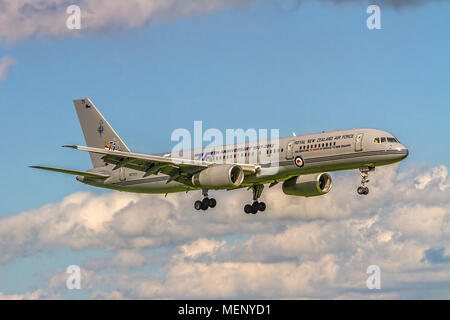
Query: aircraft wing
(177,168)
(75,172)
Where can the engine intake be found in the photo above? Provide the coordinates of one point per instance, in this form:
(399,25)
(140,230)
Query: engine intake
(310,185)
(219,177)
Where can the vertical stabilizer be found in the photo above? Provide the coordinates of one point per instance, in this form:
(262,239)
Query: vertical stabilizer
(97,131)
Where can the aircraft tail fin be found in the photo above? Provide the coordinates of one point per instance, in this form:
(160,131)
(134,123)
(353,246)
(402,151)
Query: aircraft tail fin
(97,131)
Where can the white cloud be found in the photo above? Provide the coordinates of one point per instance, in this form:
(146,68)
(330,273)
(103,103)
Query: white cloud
(437,176)
(201,247)
(5,64)
(298,248)
(129,259)
(26,296)
(20,19)
(419,221)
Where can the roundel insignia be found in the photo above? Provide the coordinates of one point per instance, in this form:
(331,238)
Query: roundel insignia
(299,161)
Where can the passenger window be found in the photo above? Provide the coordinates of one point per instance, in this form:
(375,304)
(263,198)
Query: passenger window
(383,139)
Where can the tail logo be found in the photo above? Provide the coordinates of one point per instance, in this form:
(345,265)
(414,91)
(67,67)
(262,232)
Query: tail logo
(100,128)
(112,146)
(85,104)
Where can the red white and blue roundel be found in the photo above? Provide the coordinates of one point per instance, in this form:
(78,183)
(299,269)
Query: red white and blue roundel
(299,161)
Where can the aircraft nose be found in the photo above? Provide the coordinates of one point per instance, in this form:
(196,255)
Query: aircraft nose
(405,152)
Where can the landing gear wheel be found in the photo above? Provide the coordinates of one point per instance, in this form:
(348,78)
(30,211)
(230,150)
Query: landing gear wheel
(257,190)
(261,206)
(197,205)
(212,203)
(363,190)
(255,207)
(205,204)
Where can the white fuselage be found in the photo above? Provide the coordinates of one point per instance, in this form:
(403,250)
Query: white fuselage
(294,156)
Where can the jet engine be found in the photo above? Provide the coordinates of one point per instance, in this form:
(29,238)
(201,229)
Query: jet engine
(308,185)
(219,177)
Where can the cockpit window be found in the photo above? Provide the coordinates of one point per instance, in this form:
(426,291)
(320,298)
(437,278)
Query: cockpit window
(383,139)
(389,139)
(376,140)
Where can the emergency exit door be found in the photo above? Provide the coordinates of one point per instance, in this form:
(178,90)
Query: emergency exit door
(290,150)
(358,142)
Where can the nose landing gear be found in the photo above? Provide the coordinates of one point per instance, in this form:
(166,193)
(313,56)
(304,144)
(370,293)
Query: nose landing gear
(205,203)
(256,206)
(362,189)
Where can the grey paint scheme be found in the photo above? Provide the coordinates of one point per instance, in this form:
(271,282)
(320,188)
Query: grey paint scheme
(96,129)
(350,153)
(325,160)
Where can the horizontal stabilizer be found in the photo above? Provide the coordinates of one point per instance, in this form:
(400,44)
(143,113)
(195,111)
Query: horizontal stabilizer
(75,172)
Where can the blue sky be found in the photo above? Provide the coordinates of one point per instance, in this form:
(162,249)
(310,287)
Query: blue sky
(261,66)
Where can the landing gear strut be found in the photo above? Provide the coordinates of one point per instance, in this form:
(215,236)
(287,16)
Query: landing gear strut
(206,202)
(256,206)
(362,189)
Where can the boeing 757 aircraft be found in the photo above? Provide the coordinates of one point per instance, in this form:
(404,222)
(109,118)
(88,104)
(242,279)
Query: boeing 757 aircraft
(301,162)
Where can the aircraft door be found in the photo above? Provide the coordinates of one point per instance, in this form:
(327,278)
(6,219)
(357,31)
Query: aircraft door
(358,142)
(122,174)
(290,150)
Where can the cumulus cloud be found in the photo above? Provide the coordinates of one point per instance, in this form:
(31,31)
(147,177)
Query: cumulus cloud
(298,248)
(27,18)
(126,221)
(5,64)
(123,260)
(38,294)
(21,19)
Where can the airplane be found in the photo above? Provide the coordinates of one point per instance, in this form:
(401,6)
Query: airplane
(302,162)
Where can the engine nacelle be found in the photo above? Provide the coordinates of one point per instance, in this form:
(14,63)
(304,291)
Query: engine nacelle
(308,185)
(219,176)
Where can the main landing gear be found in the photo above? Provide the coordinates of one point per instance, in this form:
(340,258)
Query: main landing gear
(256,206)
(205,203)
(362,189)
